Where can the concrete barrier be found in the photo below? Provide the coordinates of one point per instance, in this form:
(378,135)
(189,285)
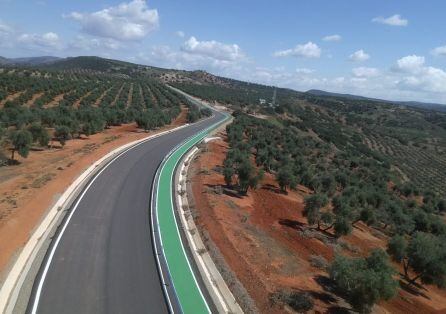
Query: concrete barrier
(217,288)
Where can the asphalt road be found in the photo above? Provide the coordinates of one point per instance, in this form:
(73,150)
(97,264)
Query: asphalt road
(104,262)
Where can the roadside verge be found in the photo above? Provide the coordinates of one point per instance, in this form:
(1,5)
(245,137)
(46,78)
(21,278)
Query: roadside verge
(219,291)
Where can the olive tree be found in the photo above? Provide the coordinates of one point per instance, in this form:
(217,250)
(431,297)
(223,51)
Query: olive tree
(62,134)
(364,281)
(313,210)
(285,178)
(39,134)
(21,142)
(424,254)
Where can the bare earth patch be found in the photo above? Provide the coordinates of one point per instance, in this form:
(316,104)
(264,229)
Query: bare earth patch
(266,242)
(10,98)
(36,96)
(55,101)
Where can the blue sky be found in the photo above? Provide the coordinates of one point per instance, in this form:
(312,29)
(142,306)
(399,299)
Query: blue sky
(378,48)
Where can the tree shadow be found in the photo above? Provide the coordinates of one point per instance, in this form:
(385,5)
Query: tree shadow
(37,149)
(414,289)
(273,188)
(294,224)
(13,162)
(327,285)
(299,226)
(338,310)
(225,190)
(358,228)
(322,296)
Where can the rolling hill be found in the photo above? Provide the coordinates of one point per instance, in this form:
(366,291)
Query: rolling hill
(31,61)
(424,105)
(110,66)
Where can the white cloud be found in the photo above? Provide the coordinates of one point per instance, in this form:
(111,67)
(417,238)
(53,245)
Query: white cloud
(439,51)
(411,64)
(365,72)
(359,56)
(394,20)
(213,49)
(193,57)
(5,29)
(6,35)
(428,79)
(126,21)
(308,50)
(36,41)
(335,37)
(426,84)
(304,71)
(93,44)
(180,34)
(417,76)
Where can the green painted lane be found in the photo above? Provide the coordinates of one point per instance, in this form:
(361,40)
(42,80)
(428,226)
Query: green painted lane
(186,286)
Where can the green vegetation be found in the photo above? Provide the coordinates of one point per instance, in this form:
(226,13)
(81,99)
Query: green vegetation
(424,254)
(39,134)
(67,101)
(196,113)
(351,182)
(21,142)
(312,210)
(364,281)
(409,139)
(350,185)
(237,163)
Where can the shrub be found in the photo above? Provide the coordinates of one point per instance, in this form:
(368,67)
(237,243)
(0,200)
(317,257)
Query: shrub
(318,261)
(301,302)
(298,301)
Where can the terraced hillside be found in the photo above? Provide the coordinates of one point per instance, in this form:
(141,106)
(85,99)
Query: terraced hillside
(411,139)
(40,107)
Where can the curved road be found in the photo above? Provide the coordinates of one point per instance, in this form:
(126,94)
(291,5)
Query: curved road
(104,262)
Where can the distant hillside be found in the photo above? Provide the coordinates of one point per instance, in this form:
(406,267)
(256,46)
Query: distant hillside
(31,61)
(171,76)
(433,106)
(106,66)
(90,63)
(3,60)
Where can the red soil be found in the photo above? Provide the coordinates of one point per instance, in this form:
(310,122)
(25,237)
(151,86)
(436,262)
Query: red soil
(117,95)
(130,96)
(77,103)
(98,101)
(55,101)
(10,98)
(266,242)
(36,96)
